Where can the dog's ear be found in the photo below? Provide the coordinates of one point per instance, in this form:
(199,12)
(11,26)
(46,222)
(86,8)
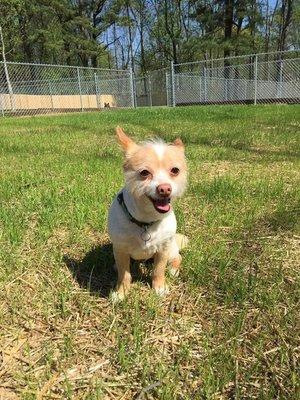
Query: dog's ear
(127,144)
(178,142)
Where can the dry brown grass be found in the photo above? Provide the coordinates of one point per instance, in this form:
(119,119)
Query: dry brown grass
(230,326)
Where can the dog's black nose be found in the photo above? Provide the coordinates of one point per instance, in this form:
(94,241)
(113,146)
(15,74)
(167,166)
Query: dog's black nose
(164,189)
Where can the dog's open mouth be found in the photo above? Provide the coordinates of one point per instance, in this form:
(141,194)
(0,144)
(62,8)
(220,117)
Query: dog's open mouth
(161,205)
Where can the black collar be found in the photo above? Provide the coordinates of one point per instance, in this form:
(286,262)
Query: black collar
(143,225)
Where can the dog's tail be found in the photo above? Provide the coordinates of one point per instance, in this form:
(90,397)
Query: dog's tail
(181,240)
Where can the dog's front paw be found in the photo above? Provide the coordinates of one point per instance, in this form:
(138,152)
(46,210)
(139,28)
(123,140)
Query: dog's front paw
(117,296)
(161,290)
(121,292)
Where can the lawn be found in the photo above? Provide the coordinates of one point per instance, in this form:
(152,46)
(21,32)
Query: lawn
(229,327)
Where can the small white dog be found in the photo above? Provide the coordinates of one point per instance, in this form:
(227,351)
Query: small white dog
(141,221)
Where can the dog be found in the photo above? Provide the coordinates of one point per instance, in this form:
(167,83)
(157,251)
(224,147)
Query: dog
(141,221)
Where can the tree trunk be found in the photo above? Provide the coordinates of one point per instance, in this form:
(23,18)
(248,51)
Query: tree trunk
(143,60)
(94,38)
(115,46)
(130,39)
(285,20)
(27,50)
(228,22)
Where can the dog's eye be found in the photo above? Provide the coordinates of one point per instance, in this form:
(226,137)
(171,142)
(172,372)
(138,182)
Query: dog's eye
(145,173)
(174,171)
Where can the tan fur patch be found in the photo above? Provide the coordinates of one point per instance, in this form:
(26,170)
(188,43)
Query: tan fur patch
(176,262)
(125,141)
(145,157)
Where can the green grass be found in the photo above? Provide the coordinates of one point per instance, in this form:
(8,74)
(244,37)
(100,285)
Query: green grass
(230,326)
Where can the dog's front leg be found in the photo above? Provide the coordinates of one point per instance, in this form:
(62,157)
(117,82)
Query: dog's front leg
(122,260)
(158,277)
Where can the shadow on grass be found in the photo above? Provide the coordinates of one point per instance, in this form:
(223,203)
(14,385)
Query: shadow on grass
(240,268)
(95,273)
(284,219)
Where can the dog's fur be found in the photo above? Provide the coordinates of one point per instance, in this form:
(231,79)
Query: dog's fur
(145,203)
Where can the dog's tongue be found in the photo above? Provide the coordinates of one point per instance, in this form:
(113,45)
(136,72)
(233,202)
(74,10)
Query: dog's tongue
(162,205)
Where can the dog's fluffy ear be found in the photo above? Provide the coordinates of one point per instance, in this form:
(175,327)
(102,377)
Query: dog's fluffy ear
(178,142)
(127,144)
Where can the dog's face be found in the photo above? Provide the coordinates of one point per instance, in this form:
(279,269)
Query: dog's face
(155,171)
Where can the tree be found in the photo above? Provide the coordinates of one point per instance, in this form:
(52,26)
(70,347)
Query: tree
(285,21)
(145,34)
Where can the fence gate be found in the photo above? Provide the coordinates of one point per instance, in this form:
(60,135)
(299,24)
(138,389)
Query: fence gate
(153,89)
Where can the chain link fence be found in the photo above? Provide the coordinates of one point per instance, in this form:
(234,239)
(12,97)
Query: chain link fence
(153,89)
(39,88)
(251,79)
(258,78)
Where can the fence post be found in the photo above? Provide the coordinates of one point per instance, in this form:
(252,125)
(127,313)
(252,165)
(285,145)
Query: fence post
(149,91)
(279,89)
(96,89)
(132,89)
(205,84)
(79,86)
(2,105)
(51,97)
(173,95)
(167,88)
(9,86)
(255,79)
(200,85)
(10,89)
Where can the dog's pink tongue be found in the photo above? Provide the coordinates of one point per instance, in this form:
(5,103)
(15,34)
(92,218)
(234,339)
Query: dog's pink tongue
(162,205)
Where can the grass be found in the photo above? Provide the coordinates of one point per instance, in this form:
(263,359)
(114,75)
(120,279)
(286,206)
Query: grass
(230,326)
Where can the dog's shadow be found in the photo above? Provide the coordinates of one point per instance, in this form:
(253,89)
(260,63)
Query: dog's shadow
(95,273)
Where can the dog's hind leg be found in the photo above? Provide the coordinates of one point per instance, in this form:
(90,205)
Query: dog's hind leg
(175,258)
(181,240)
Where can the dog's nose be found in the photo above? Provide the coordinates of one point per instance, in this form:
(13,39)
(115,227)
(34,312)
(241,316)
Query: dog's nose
(164,189)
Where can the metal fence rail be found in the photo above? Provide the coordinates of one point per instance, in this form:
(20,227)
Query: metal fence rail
(38,88)
(255,78)
(258,78)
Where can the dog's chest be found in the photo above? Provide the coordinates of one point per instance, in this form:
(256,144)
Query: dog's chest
(145,244)
(142,244)
(132,239)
